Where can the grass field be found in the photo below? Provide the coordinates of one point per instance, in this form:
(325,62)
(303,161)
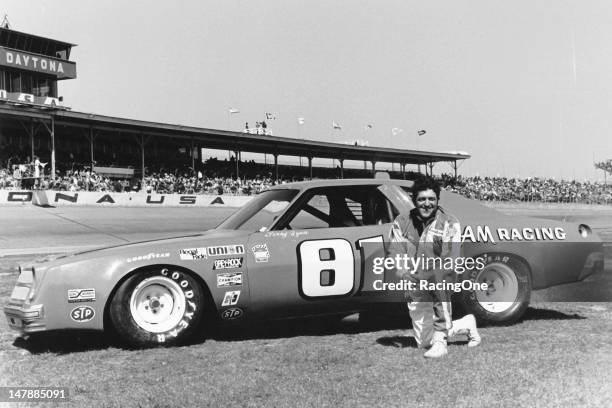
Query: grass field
(559,354)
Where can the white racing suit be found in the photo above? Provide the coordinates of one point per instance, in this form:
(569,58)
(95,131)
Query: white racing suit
(430,310)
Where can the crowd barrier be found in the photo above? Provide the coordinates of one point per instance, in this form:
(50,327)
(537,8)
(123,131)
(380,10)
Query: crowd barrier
(110,199)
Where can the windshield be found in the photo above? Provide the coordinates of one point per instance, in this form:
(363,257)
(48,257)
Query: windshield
(260,212)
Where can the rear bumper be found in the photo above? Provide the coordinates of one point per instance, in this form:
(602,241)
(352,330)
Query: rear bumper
(25,319)
(593,264)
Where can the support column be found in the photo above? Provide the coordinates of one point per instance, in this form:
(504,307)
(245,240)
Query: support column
(431,166)
(91,147)
(310,167)
(142,163)
(276,167)
(193,172)
(237,154)
(403,167)
(341,168)
(32,138)
(52,148)
(373,167)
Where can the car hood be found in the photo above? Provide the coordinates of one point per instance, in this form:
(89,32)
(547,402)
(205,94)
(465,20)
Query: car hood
(155,248)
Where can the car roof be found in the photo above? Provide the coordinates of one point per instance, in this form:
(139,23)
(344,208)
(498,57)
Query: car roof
(301,185)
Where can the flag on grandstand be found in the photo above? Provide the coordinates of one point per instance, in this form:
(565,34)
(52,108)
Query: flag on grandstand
(300,121)
(270,116)
(368,126)
(396,131)
(336,126)
(421,132)
(234,110)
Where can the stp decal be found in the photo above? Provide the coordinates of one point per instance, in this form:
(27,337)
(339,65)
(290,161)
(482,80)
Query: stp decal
(231,314)
(82,314)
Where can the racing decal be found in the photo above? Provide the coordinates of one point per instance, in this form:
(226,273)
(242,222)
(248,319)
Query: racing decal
(231,298)
(285,234)
(82,314)
(326,267)
(261,252)
(229,279)
(228,263)
(148,257)
(81,295)
(484,233)
(225,250)
(190,254)
(232,314)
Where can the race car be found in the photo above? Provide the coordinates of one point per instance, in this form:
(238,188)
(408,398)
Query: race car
(299,249)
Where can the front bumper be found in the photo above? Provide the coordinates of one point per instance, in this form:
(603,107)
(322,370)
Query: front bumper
(25,318)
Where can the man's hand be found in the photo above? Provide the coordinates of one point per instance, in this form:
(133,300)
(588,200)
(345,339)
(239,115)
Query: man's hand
(437,245)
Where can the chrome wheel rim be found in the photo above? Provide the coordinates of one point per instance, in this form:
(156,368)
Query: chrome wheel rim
(503,288)
(157,304)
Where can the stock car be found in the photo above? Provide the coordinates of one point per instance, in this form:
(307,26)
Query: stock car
(300,249)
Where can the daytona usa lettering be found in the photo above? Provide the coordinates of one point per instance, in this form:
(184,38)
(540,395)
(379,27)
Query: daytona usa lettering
(229,279)
(481,233)
(228,263)
(225,250)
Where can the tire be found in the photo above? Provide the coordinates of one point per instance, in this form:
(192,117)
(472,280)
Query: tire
(508,298)
(157,307)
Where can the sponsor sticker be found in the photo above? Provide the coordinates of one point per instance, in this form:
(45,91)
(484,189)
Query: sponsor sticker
(228,263)
(82,314)
(231,314)
(231,298)
(229,279)
(220,250)
(261,253)
(81,295)
(148,257)
(190,254)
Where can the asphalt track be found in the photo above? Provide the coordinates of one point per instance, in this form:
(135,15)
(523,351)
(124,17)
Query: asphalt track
(30,229)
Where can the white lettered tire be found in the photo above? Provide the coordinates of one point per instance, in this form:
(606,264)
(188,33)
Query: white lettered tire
(508,293)
(159,306)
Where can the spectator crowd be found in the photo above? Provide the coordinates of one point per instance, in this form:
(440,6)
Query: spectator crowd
(216,178)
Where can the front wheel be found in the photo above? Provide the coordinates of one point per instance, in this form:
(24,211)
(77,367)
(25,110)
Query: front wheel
(509,289)
(160,306)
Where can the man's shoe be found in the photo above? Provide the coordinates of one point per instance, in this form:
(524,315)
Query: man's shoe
(467,326)
(438,348)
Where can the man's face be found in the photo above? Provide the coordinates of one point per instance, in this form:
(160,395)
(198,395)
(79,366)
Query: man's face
(426,203)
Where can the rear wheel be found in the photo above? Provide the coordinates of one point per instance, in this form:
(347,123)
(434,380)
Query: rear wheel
(508,293)
(159,306)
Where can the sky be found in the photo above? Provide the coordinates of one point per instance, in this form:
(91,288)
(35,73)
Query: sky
(525,87)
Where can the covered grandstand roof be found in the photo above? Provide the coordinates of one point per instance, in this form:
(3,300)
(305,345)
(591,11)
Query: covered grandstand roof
(67,121)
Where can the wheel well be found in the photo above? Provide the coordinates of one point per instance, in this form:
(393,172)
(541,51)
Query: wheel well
(106,319)
(515,256)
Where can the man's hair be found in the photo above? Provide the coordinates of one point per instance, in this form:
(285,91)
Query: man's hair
(425,183)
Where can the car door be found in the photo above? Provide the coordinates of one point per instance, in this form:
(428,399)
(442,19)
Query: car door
(317,257)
